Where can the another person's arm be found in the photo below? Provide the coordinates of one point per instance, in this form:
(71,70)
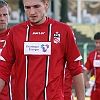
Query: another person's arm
(88,66)
(86,80)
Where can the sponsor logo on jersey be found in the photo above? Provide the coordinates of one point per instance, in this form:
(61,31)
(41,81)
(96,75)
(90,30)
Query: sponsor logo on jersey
(44,47)
(56,38)
(38,33)
(37,48)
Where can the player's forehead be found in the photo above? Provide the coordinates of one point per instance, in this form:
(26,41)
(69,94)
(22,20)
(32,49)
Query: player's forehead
(4,10)
(32,2)
(97,40)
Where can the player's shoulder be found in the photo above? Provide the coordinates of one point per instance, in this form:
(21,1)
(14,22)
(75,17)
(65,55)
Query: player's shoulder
(92,53)
(20,25)
(59,24)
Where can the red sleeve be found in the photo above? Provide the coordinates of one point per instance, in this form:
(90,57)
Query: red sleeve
(72,51)
(75,67)
(73,55)
(88,63)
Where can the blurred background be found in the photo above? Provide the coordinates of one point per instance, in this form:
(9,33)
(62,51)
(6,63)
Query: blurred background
(82,15)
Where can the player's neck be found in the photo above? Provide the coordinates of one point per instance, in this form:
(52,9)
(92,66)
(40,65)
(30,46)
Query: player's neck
(98,51)
(2,30)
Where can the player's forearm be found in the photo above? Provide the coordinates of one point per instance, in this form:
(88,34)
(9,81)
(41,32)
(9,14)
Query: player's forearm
(2,84)
(85,79)
(86,72)
(79,86)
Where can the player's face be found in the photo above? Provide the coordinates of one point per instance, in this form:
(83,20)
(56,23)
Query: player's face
(35,10)
(3,19)
(97,44)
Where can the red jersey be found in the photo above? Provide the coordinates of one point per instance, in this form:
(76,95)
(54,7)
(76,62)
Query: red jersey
(39,53)
(90,65)
(4,95)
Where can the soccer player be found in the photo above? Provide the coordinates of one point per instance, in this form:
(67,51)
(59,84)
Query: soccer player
(39,49)
(93,65)
(4,95)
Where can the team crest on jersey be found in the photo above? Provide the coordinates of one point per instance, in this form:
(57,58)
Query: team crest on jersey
(56,38)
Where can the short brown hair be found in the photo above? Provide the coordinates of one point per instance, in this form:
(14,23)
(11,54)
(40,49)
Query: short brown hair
(3,3)
(41,0)
(44,0)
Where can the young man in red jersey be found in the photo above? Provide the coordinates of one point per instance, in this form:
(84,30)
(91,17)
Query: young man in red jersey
(4,95)
(39,49)
(93,65)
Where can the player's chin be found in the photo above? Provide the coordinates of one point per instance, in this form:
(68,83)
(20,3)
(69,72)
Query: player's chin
(3,26)
(33,21)
(98,48)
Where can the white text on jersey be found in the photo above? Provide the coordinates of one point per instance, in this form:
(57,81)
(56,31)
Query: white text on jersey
(39,33)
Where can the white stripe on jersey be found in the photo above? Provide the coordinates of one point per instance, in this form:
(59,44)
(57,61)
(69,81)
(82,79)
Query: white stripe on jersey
(79,58)
(26,65)
(2,40)
(1,58)
(47,72)
(10,88)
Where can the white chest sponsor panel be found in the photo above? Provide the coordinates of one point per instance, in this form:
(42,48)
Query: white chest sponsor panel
(0,51)
(96,63)
(37,48)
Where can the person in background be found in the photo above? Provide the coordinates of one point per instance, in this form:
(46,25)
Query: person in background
(22,12)
(4,95)
(93,65)
(39,49)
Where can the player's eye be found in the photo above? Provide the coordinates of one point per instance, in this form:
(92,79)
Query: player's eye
(5,14)
(27,7)
(37,6)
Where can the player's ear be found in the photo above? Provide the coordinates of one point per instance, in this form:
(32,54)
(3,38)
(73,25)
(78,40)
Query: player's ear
(46,4)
